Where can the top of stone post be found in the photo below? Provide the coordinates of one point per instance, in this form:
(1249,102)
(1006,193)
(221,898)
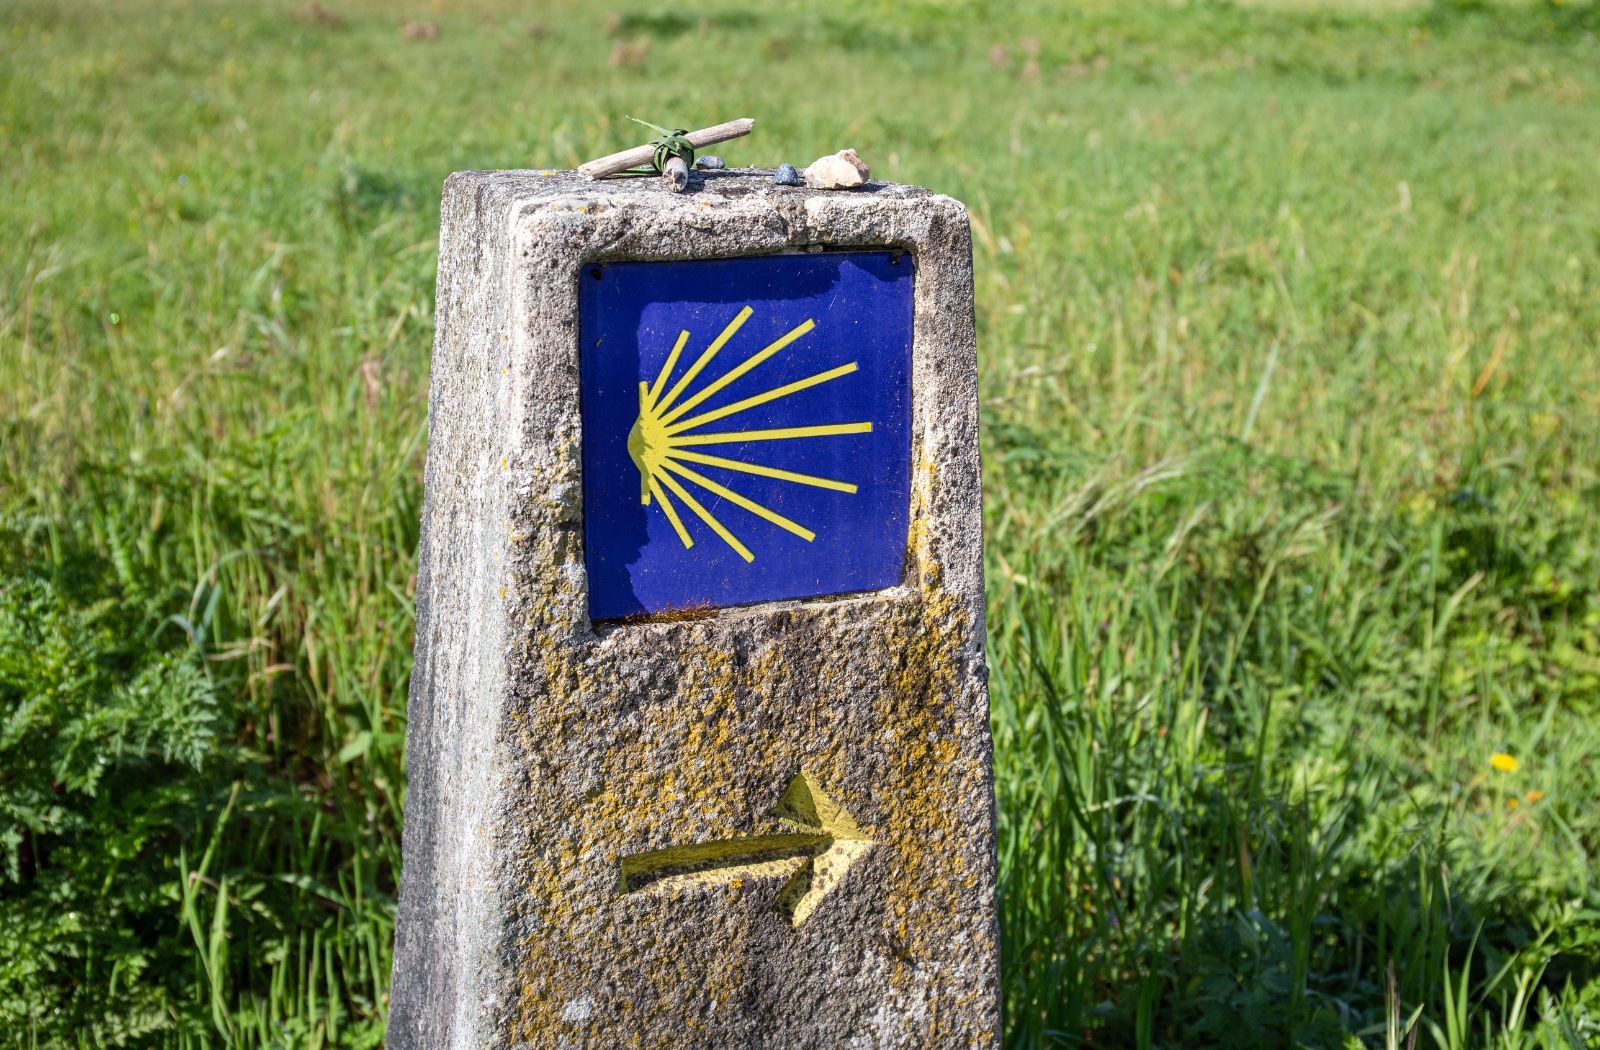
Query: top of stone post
(705,186)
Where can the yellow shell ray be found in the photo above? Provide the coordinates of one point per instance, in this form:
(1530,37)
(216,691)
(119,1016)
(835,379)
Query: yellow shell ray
(757,468)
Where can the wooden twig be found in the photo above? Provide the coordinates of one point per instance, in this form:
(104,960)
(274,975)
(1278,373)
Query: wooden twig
(675,174)
(632,158)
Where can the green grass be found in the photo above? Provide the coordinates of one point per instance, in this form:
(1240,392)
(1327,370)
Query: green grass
(1290,338)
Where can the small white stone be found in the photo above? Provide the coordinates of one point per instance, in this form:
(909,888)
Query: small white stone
(849,154)
(837,171)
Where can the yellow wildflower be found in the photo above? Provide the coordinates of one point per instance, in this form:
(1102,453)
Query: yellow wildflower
(1504,762)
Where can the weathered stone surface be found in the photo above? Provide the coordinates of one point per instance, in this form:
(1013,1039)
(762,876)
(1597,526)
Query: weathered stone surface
(553,761)
(837,171)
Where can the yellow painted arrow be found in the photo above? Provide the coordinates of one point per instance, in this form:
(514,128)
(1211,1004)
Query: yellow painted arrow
(825,842)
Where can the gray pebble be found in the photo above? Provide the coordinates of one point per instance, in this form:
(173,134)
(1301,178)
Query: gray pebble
(710,161)
(787,176)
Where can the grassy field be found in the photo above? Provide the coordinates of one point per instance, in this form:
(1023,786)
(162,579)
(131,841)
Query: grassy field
(1290,337)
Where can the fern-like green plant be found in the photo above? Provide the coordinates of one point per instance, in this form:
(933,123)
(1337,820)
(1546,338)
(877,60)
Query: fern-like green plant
(104,745)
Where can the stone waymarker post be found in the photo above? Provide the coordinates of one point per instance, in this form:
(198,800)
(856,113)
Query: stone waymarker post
(699,749)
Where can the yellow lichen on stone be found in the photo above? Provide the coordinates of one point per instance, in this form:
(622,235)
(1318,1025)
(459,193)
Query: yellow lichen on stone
(710,724)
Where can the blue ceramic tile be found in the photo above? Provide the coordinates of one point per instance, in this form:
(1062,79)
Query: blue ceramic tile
(746,429)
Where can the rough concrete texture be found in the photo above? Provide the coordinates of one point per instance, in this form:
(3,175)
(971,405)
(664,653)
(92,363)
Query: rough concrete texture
(554,763)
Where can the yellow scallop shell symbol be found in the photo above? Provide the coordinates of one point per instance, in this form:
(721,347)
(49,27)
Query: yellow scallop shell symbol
(661,439)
